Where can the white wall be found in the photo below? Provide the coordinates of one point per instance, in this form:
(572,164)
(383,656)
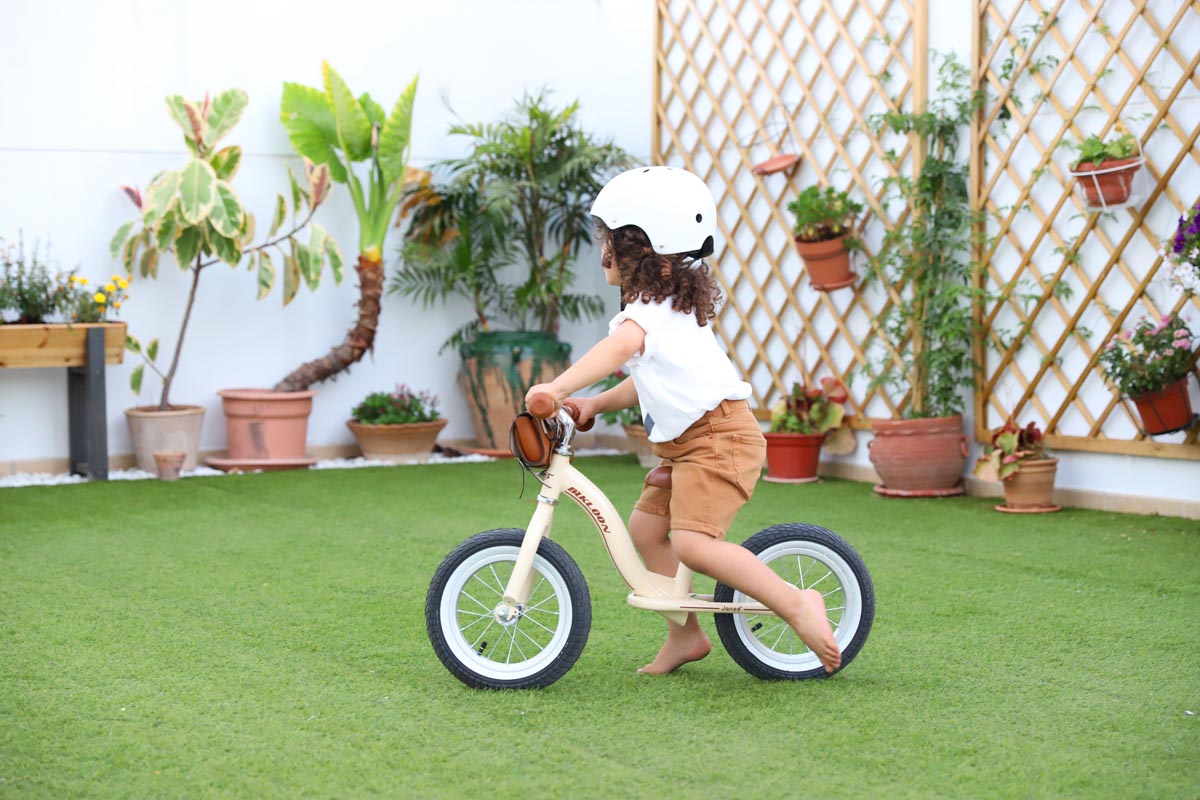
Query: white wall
(82,112)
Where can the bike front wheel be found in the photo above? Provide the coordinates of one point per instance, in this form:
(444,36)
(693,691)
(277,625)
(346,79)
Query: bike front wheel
(533,649)
(808,557)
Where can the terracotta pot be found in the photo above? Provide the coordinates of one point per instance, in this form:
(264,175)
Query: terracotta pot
(1031,488)
(828,263)
(639,444)
(153,431)
(397,444)
(1166,411)
(498,368)
(919,457)
(1107,188)
(266,426)
(169,464)
(793,457)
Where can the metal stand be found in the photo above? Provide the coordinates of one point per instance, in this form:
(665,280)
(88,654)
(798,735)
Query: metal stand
(88,424)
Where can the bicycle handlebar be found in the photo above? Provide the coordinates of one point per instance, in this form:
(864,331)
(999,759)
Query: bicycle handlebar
(543,406)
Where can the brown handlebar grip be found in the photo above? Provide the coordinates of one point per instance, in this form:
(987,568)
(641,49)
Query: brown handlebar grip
(542,405)
(573,410)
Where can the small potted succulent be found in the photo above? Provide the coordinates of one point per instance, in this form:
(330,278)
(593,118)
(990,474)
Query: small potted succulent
(630,420)
(801,423)
(1105,169)
(1018,458)
(1150,363)
(398,427)
(824,217)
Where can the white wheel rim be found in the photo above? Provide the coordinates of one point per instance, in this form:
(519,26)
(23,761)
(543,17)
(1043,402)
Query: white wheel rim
(508,653)
(806,565)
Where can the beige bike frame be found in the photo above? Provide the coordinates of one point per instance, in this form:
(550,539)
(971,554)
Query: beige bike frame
(671,597)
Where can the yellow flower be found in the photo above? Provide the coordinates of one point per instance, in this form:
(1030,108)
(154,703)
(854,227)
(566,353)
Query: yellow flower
(116,305)
(124,284)
(108,287)
(83,281)
(100,298)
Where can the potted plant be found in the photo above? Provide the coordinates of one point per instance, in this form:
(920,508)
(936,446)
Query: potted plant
(824,218)
(194,214)
(801,423)
(1018,458)
(45,316)
(504,229)
(397,427)
(1105,169)
(630,420)
(928,328)
(1184,255)
(1150,364)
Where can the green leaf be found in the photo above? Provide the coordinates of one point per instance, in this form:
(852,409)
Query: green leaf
(291,279)
(129,253)
(226,248)
(119,238)
(246,233)
(280,214)
(266,274)
(132,344)
(224,113)
(164,233)
(396,135)
(152,349)
(309,270)
(197,191)
(297,191)
(177,107)
(334,253)
(160,196)
(225,162)
(308,119)
(149,263)
(135,378)
(375,113)
(187,245)
(227,216)
(353,127)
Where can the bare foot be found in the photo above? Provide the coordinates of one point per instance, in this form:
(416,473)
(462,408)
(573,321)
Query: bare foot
(813,628)
(679,650)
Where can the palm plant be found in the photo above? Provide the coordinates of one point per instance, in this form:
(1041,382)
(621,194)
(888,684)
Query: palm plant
(335,129)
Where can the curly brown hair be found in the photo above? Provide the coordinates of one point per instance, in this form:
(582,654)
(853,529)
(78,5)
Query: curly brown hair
(652,277)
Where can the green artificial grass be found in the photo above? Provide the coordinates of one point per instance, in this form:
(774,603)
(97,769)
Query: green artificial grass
(264,636)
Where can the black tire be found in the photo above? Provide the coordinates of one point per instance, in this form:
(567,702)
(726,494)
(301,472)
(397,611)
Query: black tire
(805,556)
(548,635)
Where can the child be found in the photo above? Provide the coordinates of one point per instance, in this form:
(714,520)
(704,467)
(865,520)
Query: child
(655,224)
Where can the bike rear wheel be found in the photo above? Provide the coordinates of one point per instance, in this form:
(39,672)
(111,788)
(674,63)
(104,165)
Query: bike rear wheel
(532,650)
(808,557)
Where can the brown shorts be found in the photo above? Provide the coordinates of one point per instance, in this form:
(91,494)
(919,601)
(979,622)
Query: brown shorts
(715,464)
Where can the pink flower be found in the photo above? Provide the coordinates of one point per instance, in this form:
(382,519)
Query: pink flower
(1127,335)
(1170,351)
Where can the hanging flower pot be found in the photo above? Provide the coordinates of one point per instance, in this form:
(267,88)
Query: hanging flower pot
(828,263)
(1107,183)
(1165,411)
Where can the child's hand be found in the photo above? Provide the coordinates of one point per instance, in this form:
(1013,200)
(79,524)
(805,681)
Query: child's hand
(546,388)
(587,409)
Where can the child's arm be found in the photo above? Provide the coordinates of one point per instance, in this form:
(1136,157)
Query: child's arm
(601,361)
(623,395)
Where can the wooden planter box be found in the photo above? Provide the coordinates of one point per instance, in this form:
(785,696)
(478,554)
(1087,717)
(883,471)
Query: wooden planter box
(57,345)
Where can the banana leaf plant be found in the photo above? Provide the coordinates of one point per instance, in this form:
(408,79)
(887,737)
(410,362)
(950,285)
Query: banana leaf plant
(336,131)
(194,214)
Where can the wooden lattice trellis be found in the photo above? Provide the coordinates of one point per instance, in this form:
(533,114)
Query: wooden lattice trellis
(1055,72)
(737,81)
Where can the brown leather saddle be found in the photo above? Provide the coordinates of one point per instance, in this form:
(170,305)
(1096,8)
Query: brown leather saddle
(659,477)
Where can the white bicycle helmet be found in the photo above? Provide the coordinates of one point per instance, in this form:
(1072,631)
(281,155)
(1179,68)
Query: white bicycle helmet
(673,207)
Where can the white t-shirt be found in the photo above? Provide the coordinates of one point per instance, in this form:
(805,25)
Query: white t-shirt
(681,373)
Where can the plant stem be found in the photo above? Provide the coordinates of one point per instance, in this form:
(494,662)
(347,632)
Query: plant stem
(163,404)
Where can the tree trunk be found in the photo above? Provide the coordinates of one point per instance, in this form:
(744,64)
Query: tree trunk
(359,339)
